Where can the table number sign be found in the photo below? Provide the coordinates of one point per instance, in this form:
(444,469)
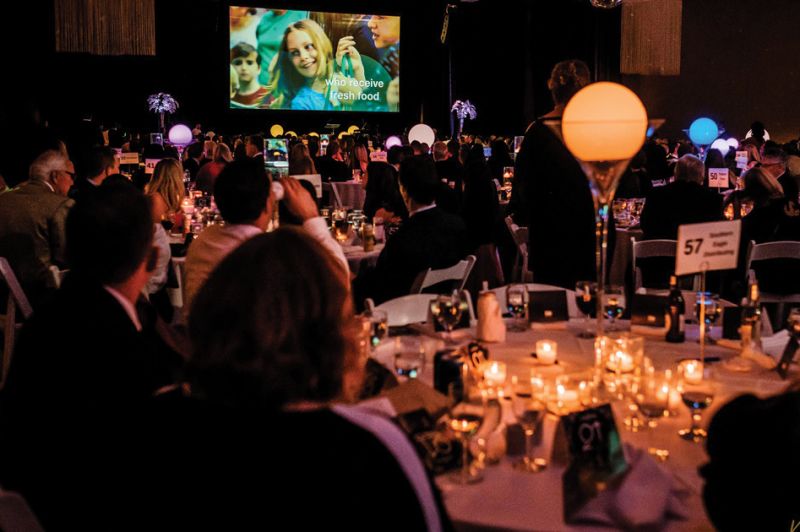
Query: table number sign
(129,158)
(589,442)
(718,177)
(707,247)
(150,165)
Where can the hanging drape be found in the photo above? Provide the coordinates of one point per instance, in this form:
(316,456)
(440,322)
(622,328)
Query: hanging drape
(651,37)
(105,27)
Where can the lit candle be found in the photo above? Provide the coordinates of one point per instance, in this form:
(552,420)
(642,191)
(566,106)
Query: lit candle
(495,374)
(674,400)
(621,362)
(546,351)
(567,399)
(692,371)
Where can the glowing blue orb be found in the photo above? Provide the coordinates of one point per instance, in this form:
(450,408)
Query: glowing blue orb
(703,131)
(393,141)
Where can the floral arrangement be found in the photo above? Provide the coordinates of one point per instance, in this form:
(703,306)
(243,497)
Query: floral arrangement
(161,103)
(463,110)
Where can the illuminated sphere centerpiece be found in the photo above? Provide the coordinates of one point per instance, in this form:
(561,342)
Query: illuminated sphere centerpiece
(276,130)
(422,133)
(394,140)
(703,132)
(180,135)
(721,145)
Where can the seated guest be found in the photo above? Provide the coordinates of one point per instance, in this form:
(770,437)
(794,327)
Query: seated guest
(383,197)
(254,147)
(275,358)
(431,238)
(101,163)
(774,161)
(773,218)
(300,161)
(84,362)
(685,201)
(242,194)
(32,235)
(751,476)
(211,170)
(194,159)
(332,166)
(481,210)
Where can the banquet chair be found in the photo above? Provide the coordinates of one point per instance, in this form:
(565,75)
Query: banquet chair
(17,302)
(647,249)
(572,306)
(457,273)
(413,308)
(770,251)
(337,199)
(519,272)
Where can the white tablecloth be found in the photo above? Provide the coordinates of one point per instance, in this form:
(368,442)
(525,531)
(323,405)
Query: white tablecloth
(511,500)
(358,258)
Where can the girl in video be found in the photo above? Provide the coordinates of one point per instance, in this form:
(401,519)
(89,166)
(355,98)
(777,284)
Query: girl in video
(304,76)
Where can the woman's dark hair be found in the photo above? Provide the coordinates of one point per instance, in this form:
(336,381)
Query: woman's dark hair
(418,176)
(567,78)
(273,325)
(381,188)
(241,191)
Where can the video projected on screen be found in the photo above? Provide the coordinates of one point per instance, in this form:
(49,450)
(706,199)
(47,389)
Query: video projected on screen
(314,61)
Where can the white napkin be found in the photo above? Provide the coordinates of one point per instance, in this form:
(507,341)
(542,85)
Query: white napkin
(491,327)
(775,344)
(647,498)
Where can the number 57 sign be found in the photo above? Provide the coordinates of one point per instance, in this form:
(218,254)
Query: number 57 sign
(706,247)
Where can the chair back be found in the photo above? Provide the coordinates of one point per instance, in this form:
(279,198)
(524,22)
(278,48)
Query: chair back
(458,273)
(519,273)
(17,302)
(784,249)
(646,249)
(413,308)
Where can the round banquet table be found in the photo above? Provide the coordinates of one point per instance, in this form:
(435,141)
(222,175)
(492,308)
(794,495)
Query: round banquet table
(510,500)
(358,258)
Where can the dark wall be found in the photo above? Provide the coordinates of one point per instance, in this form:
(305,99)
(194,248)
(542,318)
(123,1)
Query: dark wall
(738,64)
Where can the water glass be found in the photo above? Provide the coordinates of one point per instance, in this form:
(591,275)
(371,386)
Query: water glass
(517,302)
(613,305)
(409,357)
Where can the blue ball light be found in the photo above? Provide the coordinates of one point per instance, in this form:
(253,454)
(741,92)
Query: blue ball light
(703,131)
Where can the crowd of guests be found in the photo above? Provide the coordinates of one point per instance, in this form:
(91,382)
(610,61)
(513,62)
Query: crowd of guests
(250,387)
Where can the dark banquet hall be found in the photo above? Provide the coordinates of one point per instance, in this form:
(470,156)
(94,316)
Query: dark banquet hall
(549,283)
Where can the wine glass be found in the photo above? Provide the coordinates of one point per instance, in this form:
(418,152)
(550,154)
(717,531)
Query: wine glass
(712,311)
(467,411)
(586,298)
(697,388)
(409,357)
(614,305)
(379,326)
(652,398)
(446,309)
(517,304)
(529,406)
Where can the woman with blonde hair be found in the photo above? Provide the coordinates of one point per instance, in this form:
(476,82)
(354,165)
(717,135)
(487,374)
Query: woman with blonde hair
(207,175)
(165,192)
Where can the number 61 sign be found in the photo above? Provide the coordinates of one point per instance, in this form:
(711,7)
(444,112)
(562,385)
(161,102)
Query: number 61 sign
(707,247)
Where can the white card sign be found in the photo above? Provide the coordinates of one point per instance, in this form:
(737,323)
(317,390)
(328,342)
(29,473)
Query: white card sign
(314,179)
(378,156)
(742,158)
(129,158)
(707,247)
(150,165)
(718,177)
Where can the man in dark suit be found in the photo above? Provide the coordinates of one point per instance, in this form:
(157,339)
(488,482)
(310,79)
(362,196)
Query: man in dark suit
(774,162)
(194,159)
(84,365)
(254,147)
(431,238)
(684,201)
(101,162)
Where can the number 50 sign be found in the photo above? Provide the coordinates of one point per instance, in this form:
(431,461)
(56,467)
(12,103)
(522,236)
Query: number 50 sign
(706,247)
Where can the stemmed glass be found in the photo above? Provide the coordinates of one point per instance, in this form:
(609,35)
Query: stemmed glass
(652,398)
(409,357)
(517,304)
(529,406)
(446,309)
(586,298)
(379,326)
(614,305)
(712,311)
(340,225)
(697,388)
(466,417)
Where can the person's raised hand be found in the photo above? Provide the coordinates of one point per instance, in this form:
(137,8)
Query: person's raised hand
(347,46)
(298,200)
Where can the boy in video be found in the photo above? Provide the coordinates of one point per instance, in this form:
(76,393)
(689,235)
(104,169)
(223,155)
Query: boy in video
(247,64)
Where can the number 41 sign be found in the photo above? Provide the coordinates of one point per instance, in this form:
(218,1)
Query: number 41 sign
(707,247)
